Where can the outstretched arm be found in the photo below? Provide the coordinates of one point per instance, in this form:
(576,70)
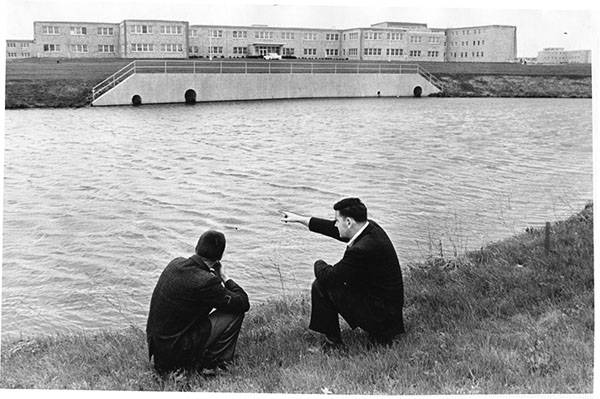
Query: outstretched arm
(318,225)
(290,217)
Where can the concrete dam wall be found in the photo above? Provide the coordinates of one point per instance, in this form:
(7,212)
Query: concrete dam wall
(172,88)
(177,83)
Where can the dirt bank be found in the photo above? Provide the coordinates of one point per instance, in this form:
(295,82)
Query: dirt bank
(457,85)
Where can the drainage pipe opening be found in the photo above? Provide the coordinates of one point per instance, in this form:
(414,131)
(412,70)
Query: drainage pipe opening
(190,97)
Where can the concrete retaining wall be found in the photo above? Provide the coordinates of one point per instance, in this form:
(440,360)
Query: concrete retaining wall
(170,88)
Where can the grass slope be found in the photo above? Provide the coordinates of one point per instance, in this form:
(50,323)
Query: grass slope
(509,318)
(48,83)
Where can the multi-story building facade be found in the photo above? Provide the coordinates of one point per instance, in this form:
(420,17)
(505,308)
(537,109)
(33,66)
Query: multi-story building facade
(385,41)
(75,39)
(492,43)
(257,40)
(18,49)
(153,39)
(558,55)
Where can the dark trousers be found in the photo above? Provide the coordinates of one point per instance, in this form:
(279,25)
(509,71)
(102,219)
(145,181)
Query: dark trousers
(328,303)
(224,332)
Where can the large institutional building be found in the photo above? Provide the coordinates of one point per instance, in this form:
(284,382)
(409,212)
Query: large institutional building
(389,41)
(558,55)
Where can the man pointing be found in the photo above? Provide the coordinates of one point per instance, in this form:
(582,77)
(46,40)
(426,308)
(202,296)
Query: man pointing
(365,286)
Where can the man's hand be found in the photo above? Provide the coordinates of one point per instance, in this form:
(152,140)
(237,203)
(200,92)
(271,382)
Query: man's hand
(218,268)
(290,217)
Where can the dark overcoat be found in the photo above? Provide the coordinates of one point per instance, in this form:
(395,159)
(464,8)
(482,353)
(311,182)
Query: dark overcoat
(368,275)
(178,325)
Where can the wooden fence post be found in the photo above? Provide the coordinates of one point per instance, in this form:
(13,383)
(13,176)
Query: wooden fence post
(547,239)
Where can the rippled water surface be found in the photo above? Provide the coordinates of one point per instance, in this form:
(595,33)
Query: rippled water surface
(98,200)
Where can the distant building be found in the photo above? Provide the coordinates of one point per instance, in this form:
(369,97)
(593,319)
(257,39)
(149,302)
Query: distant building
(18,49)
(384,41)
(558,55)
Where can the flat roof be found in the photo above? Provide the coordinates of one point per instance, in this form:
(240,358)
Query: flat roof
(400,23)
(336,30)
(482,26)
(155,20)
(75,22)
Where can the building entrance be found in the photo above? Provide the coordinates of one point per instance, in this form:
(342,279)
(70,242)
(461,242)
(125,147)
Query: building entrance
(264,49)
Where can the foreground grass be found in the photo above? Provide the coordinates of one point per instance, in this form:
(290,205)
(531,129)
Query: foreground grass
(509,318)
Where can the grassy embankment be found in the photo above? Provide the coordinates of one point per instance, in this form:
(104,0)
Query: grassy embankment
(33,83)
(462,79)
(509,318)
(46,83)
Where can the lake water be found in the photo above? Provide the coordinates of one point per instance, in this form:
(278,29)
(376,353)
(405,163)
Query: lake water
(98,200)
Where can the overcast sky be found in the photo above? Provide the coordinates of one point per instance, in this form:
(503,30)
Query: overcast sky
(539,24)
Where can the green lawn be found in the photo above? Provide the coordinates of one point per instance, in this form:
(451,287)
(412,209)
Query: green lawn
(513,317)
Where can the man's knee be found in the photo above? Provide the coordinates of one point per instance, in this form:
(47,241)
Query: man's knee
(317,288)
(221,321)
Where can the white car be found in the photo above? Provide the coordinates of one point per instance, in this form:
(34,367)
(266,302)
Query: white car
(272,56)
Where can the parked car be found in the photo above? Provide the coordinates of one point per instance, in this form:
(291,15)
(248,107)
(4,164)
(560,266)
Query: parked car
(272,56)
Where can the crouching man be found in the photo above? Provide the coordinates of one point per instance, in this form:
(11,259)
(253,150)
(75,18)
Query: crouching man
(196,311)
(365,287)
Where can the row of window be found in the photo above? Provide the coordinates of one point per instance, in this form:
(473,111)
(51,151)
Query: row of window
(80,48)
(465,54)
(328,52)
(15,55)
(466,43)
(77,30)
(51,47)
(164,29)
(218,33)
(176,47)
(236,50)
(288,51)
(14,45)
(467,32)
(171,47)
(372,51)
(142,47)
(242,34)
(171,29)
(164,47)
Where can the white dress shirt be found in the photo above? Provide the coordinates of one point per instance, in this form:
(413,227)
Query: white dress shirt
(357,234)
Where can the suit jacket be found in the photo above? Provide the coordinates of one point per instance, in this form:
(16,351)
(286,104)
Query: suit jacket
(178,325)
(369,273)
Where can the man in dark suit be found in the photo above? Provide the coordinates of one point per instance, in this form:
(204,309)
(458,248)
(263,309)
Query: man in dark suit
(365,286)
(196,311)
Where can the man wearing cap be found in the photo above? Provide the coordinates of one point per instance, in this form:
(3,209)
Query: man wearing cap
(196,311)
(365,286)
